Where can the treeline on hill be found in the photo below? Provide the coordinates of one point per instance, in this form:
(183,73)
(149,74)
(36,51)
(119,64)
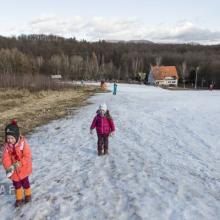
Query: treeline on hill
(42,55)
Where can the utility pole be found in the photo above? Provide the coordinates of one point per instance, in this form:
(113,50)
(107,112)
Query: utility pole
(197,70)
(184,73)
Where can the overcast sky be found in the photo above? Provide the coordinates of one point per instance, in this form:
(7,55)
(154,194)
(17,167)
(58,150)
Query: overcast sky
(156,20)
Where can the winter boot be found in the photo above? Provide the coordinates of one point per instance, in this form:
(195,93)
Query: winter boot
(27,193)
(99,152)
(18,203)
(19,197)
(105,150)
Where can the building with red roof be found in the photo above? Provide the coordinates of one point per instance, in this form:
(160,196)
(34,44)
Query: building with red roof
(163,75)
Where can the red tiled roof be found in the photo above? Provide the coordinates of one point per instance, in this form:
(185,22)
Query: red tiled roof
(160,72)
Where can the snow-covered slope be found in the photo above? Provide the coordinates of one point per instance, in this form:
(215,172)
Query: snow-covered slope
(164,160)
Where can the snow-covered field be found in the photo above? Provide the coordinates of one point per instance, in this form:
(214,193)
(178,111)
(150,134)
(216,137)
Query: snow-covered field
(164,160)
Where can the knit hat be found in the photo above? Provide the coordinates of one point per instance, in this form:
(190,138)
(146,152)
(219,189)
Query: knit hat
(13,130)
(103,106)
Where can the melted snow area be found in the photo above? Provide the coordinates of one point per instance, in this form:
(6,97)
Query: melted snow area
(164,160)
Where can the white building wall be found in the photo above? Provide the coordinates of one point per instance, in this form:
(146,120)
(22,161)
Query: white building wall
(167,82)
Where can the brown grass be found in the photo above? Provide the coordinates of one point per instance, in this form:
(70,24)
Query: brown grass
(32,109)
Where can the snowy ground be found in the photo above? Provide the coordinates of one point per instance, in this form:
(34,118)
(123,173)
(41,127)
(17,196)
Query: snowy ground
(164,160)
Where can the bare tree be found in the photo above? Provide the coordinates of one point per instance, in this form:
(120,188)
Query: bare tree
(158,60)
(76,66)
(184,73)
(55,63)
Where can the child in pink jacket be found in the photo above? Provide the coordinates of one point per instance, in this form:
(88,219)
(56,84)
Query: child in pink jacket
(104,125)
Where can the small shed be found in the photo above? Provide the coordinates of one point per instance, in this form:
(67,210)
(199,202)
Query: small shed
(56,77)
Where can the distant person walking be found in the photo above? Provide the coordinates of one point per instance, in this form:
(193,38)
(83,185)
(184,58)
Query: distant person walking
(115,88)
(211,87)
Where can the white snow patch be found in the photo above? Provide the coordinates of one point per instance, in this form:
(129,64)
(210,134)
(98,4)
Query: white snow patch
(164,160)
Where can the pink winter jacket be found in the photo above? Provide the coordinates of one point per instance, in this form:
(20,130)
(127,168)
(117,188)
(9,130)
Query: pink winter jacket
(103,124)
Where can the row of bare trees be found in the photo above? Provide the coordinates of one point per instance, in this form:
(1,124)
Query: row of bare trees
(47,55)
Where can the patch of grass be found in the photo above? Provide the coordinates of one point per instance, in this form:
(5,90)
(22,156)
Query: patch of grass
(32,109)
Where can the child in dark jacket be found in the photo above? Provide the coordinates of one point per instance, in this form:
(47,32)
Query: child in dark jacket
(104,125)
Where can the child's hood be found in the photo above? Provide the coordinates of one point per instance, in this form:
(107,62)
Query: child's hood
(107,114)
(20,144)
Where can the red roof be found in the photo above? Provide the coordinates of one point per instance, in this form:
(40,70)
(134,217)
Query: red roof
(160,72)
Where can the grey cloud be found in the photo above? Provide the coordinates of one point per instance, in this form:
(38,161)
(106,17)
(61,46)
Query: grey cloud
(100,28)
(185,33)
(41,20)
